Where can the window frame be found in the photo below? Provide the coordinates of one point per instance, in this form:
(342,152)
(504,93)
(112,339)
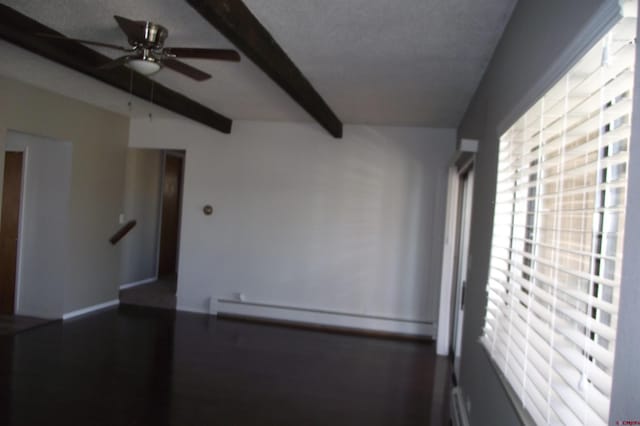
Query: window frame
(600,24)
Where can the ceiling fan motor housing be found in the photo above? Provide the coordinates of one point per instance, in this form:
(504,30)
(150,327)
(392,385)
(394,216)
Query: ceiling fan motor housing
(146,53)
(152,38)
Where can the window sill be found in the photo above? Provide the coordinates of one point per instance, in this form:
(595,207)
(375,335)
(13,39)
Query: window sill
(523,415)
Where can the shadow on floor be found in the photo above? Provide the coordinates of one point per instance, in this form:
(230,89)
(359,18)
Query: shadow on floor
(12,324)
(158,294)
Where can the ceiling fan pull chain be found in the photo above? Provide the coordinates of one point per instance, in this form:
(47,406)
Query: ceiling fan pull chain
(130,103)
(151,100)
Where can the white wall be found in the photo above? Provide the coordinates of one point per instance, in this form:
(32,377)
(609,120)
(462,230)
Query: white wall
(44,224)
(539,33)
(352,225)
(99,142)
(142,204)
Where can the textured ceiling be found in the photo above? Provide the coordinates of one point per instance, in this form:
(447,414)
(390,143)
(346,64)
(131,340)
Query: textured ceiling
(403,62)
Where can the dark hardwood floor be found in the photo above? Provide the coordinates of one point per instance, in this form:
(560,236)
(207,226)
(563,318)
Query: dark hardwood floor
(12,324)
(146,366)
(158,294)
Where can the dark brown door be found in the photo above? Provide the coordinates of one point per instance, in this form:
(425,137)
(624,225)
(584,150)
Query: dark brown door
(169,228)
(9,230)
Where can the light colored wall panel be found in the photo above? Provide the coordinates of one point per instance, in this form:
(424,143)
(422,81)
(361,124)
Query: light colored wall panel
(99,142)
(142,203)
(304,220)
(44,224)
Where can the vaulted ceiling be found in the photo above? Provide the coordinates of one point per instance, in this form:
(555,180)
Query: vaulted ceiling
(408,62)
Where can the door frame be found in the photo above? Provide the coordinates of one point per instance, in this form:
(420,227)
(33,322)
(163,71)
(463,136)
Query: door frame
(21,224)
(182,155)
(461,263)
(463,161)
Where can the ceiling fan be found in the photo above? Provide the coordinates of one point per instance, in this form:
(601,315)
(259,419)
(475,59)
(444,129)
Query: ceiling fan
(146,52)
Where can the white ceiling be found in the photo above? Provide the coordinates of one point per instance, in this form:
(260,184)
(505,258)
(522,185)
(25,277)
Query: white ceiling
(402,62)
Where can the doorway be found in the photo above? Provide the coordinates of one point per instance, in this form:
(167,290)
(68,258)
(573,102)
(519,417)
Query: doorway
(9,230)
(154,191)
(456,256)
(170,215)
(461,263)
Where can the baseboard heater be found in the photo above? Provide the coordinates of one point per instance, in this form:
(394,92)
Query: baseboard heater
(323,318)
(458,411)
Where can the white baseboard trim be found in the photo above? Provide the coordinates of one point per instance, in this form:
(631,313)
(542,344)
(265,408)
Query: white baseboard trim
(90,309)
(312,316)
(137,283)
(458,410)
(193,310)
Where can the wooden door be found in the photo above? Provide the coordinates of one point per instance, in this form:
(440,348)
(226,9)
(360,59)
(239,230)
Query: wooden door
(9,228)
(170,225)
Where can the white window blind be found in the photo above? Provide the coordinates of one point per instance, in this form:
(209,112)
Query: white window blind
(558,235)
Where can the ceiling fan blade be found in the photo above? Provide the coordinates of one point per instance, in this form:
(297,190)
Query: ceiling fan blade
(134,30)
(91,42)
(115,63)
(185,69)
(202,53)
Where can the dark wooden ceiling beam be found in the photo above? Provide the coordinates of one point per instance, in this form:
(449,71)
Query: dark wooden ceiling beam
(236,22)
(21,30)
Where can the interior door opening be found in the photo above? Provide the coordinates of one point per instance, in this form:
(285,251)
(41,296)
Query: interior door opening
(9,230)
(171,209)
(461,264)
(154,191)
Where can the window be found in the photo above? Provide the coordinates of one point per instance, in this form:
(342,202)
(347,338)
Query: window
(558,235)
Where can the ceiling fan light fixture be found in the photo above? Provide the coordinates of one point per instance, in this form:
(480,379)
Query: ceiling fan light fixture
(146,53)
(144,66)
